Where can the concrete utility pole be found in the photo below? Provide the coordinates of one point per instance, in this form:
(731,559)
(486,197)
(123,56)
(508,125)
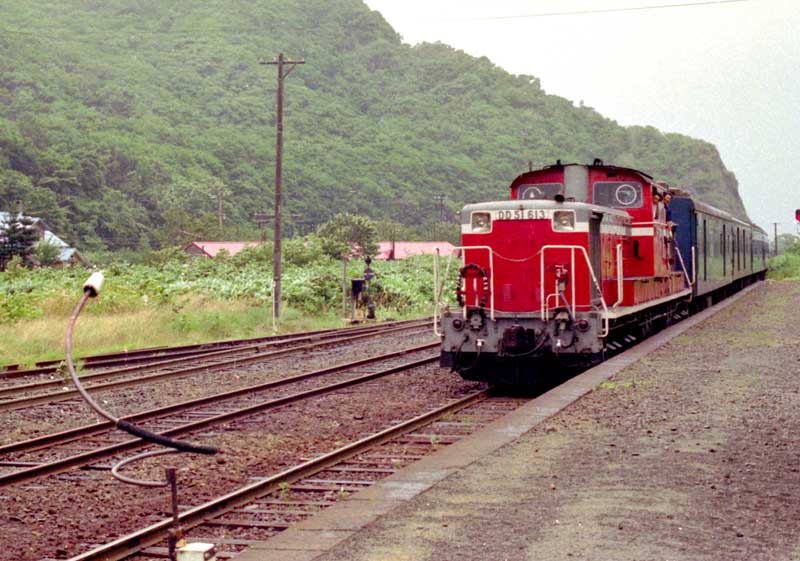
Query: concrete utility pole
(775,229)
(276,261)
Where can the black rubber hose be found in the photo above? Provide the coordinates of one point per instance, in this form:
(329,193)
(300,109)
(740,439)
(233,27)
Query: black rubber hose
(458,355)
(543,338)
(123,425)
(165,440)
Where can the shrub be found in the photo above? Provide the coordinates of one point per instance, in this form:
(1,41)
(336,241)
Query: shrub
(261,254)
(47,252)
(312,283)
(785,266)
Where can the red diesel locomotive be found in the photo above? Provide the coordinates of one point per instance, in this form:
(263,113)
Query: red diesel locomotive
(582,261)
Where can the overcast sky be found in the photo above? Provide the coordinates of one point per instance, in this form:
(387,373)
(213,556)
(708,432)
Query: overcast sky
(726,71)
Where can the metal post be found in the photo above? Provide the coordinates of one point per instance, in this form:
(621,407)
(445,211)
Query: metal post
(344,288)
(276,259)
(175,532)
(369,274)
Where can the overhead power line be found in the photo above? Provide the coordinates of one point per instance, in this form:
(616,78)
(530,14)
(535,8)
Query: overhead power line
(603,10)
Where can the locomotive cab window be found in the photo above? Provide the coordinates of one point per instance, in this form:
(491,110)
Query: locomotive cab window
(540,191)
(481,223)
(617,194)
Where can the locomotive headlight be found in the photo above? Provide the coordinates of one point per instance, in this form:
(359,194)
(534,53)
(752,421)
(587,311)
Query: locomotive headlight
(563,220)
(481,222)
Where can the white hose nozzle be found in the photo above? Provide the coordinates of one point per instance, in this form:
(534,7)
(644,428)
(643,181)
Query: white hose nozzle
(93,284)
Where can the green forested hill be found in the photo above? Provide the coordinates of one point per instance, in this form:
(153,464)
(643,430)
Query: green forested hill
(124,123)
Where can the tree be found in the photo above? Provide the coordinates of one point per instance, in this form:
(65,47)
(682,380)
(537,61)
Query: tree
(348,235)
(47,252)
(787,242)
(18,236)
(375,127)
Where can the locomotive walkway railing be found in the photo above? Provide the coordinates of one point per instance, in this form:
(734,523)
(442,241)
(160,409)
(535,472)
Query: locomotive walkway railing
(545,310)
(620,277)
(439,285)
(689,280)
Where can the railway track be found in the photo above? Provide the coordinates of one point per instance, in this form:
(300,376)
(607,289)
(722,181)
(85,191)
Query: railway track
(272,503)
(50,391)
(155,354)
(91,444)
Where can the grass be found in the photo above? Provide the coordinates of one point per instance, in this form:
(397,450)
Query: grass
(608,385)
(196,320)
(785,267)
(179,301)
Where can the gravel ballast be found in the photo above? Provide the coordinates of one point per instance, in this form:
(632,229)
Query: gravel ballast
(690,453)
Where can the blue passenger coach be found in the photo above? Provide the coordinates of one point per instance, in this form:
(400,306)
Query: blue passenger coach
(729,253)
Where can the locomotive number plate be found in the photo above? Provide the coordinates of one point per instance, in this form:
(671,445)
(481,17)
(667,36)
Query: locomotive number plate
(522,214)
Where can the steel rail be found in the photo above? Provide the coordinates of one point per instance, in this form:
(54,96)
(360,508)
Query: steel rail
(164,359)
(92,456)
(135,542)
(69,435)
(52,397)
(10,371)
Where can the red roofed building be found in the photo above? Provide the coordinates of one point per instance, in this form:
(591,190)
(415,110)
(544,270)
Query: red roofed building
(210,249)
(402,250)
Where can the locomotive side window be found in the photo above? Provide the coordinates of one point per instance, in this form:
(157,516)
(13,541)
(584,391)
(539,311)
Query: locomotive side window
(481,222)
(540,191)
(617,194)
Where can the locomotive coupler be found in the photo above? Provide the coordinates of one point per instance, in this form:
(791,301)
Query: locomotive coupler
(562,318)
(476,319)
(518,340)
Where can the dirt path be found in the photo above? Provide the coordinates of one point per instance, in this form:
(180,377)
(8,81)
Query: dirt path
(692,453)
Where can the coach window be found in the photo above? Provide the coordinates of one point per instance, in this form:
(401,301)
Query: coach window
(738,249)
(540,191)
(617,194)
(705,250)
(724,239)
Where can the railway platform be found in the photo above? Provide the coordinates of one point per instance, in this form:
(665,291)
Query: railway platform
(684,447)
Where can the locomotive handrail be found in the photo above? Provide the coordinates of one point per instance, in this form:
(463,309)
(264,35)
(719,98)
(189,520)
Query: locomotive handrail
(436,293)
(462,249)
(438,287)
(620,277)
(544,312)
(692,280)
(653,223)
